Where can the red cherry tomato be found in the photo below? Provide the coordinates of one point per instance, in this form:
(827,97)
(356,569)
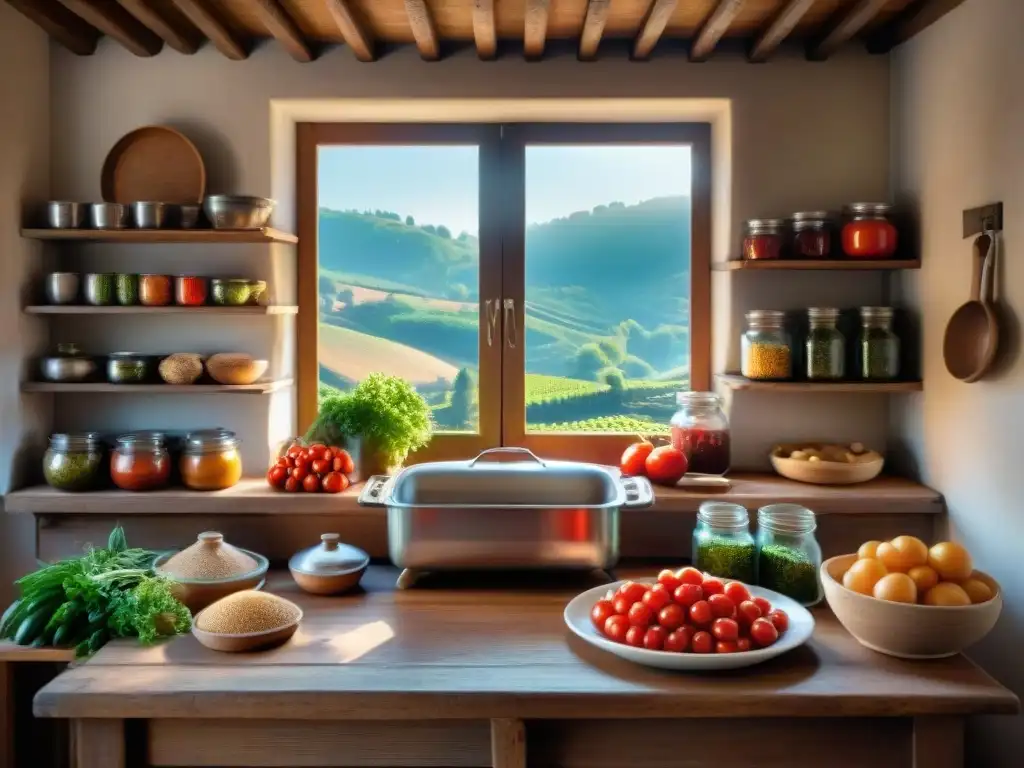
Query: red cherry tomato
(320,466)
(615,628)
(347,465)
(747,611)
(640,615)
(763,632)
(679,640)
(328,455)
(779,620)
(294,451)
(654,638)
(316,450)
(334,482)
(688,594)
(725,629)
(737,592)
(285,462)
(672,616)
(666,465)
(726,646)
(600,612)
(622,604)
(276,476)
(633,591)
(635,636)
(634,458)
(669,579)
(292,484)
(702,642)
(700,613)
(300,472)
(722,607)
(743,644)
(712,586)
(657,597)
(690,575)
(311,484)
(764,605)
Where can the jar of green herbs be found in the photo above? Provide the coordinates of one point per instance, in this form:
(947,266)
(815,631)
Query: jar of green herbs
(722,544)
(826,347)
(879,345)
(74,462)
(788,554)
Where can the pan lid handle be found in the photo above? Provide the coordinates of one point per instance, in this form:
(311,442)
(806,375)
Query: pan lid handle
(639,492)
(518,451)
(373,492)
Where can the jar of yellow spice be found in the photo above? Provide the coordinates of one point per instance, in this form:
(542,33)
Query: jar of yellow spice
(211,461)
(766,350)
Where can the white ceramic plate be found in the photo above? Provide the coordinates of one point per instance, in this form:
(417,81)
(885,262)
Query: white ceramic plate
(801,626)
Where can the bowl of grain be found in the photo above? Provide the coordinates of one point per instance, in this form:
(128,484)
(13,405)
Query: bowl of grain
(211,569)
(246,621)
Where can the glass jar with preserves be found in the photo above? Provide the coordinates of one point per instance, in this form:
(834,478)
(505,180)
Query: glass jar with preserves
(762,239)
(74,462)
(812,235)
(140,463)
(155,290)
(825,345)
(211,461)
(190,291)
(700,429)
(879,345)
(788,554)
(722,543)
(868,233)
(765,348)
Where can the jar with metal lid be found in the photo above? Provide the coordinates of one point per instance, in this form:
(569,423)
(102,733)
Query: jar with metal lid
(700,429)
(825,345)
(140,463)
(74,462)
(766,350)
(868,233)
(788,554)
(879,346)
(763,238)
(722,543)
(812,235)
(211,461)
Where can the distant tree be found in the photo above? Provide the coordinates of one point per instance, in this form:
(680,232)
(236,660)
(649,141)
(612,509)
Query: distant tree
(616,204)
(410,221)
(613,377)
(636,368)
(464,405)
(463,236)
(443,231)
(429,228)
(590,359)
(326,285)
(613,350)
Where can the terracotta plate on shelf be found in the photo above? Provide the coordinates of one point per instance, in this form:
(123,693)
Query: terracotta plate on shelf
(153,163)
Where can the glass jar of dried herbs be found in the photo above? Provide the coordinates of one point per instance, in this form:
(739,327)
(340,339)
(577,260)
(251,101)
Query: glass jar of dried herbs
(826,347)
(722,544)
(74,462)
(879,345)
(788,554)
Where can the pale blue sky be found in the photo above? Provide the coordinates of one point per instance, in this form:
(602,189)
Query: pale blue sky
(438,185)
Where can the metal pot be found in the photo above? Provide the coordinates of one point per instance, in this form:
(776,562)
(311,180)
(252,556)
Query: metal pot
(188,215)
(238,211)
(68,365)
(128,368)
(455,515)
(62,287)
(100,289)
(108,216)
(148,215)
(61,214)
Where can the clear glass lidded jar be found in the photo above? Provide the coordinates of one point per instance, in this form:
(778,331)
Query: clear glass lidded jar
(788,554)
(812,235)
(74,462)
(700,429)
(763,239)
(825,345)
(140,462)
(766,350)
(868,233)
(722,543)
(879,346)
(211,461)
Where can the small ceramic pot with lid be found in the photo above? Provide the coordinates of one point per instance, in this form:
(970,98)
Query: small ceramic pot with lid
(329,568)
(211,569)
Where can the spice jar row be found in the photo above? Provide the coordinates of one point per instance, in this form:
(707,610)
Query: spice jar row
(784,556)
(866,232)
(70,365)
(204,460)
(102,289)
(768,351)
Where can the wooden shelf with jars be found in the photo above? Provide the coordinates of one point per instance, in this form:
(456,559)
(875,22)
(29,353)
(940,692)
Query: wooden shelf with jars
(839,265)
(737,382)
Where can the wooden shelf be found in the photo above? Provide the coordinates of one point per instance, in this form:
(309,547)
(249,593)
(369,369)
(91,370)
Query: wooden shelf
(85,309)
(260,388)
(19,653)
(843,265)
(737,382)
(209,236)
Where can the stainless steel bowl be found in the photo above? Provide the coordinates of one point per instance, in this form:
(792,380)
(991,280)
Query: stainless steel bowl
(62,287)
(188,215)
(61,214)
(238,211)
(67,365)
(108,215)
(100,289)
(149,215)
(128,368)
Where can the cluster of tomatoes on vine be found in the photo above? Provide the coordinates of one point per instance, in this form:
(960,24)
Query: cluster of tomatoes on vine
(312,468)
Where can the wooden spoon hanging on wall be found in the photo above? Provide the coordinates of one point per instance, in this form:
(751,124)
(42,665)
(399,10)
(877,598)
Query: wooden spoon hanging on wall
(972,336)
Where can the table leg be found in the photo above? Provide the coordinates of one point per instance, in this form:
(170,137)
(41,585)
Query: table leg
(508,744)
(99,743)
(938,742)
(6,715)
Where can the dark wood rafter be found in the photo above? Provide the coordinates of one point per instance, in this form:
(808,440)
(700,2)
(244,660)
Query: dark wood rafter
(593,28)
(113,20)
(283,28)
(423,30)
(654,24)
(485,32)
(776,32)
(535,31)
(915,18)
(356,36)
(180,35)
(210,25)
(714,28)
(848,25)
(60,24)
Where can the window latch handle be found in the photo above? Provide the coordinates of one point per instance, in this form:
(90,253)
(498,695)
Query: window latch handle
(511,337)
(491,309)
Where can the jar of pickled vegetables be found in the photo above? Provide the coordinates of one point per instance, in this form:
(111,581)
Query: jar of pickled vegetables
(763,239)
(765,348)
(700,430)
(868,233)
(140,463)
(211,461)
(879,346)
(825,345)
(74,462)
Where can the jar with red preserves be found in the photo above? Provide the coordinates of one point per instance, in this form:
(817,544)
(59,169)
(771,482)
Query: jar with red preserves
(155,290)
(763,239)
(700,429)
(140,463)
(868,233)
(190,291)
(812,235)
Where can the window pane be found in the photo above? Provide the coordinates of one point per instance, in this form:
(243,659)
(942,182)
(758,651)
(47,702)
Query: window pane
(607,286)
(399,272)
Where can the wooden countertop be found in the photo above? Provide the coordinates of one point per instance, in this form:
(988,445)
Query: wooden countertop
(493,651)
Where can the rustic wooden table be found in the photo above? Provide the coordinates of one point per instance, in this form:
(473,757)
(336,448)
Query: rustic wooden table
(487,674)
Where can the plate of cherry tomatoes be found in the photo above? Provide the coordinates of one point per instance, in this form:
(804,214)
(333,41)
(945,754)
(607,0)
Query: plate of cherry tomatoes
(316,468)
(689,620)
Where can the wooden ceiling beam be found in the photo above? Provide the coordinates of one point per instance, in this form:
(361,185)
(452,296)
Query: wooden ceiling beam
(356,37)
(593,28)
(423,29)
(283,28)
(654,24)
(213,28)
(913,19)
(60,24)
(779,29)
(714,28)
(182,37)
(114,21)
(535,32)
(847,26)
(485,31)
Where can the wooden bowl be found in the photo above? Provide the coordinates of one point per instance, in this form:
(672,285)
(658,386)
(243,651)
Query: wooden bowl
(196,594)
(824,472)
(905,630)
(235,369)
(249,641)
(328,584)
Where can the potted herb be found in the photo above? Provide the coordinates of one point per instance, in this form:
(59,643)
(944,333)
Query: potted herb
(380,422)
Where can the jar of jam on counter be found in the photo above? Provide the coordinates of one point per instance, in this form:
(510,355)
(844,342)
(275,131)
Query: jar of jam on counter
(211,461)
(140,462)
(763,239)
(812,235)
(868,233)
(700,430)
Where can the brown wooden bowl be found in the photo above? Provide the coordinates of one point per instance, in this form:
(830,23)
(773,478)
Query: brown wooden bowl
(249,641)
(824,472)
(328,584)
(905,630)
(196,594)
